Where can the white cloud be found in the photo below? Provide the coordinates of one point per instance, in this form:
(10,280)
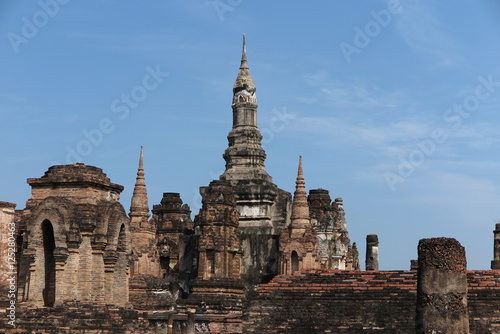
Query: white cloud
(317,79)
(425,33)
(388,123)
(356,93)
(389,138)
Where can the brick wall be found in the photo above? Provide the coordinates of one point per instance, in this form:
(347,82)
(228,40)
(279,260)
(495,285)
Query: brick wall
(334,302)
(77,319)
(353,302)
(307,302)
(484,301)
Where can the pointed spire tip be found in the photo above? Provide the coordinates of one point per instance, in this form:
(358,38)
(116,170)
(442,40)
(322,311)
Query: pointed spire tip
(139,202)
(141,159)
(244,50)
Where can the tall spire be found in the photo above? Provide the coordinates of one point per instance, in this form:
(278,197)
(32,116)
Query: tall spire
(139,205)
(244,88)
(300,239)
(244,63)
(245,156)
(300,207)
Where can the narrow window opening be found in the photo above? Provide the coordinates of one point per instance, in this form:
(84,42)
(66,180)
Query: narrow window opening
(49,290)
(295,261)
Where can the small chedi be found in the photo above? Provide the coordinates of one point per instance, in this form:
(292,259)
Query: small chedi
(254,259)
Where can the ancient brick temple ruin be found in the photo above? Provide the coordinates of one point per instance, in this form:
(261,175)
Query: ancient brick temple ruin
(254,259)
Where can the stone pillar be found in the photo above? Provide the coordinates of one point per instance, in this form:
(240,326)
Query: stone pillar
(495,264)
(371,261)
(441,287)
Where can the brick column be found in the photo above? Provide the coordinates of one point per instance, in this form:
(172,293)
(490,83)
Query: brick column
(441,287)
(110,259)
(495,264)
(61,255)
(371,261)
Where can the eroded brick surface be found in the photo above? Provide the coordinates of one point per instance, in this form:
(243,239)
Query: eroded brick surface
(359,302)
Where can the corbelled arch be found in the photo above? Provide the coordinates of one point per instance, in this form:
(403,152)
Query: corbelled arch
(73,220)
(46,252)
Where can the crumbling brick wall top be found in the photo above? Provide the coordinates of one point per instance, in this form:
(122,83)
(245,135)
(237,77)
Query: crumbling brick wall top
(7,205)
(442,253)
(335,301)
(340,301)
(75,173)
(342,279)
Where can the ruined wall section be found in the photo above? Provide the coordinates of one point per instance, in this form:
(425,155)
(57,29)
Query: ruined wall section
(329,222)
(79,318)
(483,299)
(76,239)
(338,301)
(174,253)
(359,302)
(173,221)
(218,289)
(81,183)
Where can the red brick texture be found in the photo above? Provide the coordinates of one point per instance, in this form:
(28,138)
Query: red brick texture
(353,302)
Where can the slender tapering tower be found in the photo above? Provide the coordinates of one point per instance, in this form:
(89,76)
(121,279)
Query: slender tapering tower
(299,248)
(262,206)
(141,228)
(139,208)
(245,156)
(300,218)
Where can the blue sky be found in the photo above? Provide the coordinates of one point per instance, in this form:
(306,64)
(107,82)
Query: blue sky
(392,104)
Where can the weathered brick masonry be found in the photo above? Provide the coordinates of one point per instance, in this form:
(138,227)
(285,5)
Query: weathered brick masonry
(483,296)
(78,318)
(333,301)
(317,301)
(442,287)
